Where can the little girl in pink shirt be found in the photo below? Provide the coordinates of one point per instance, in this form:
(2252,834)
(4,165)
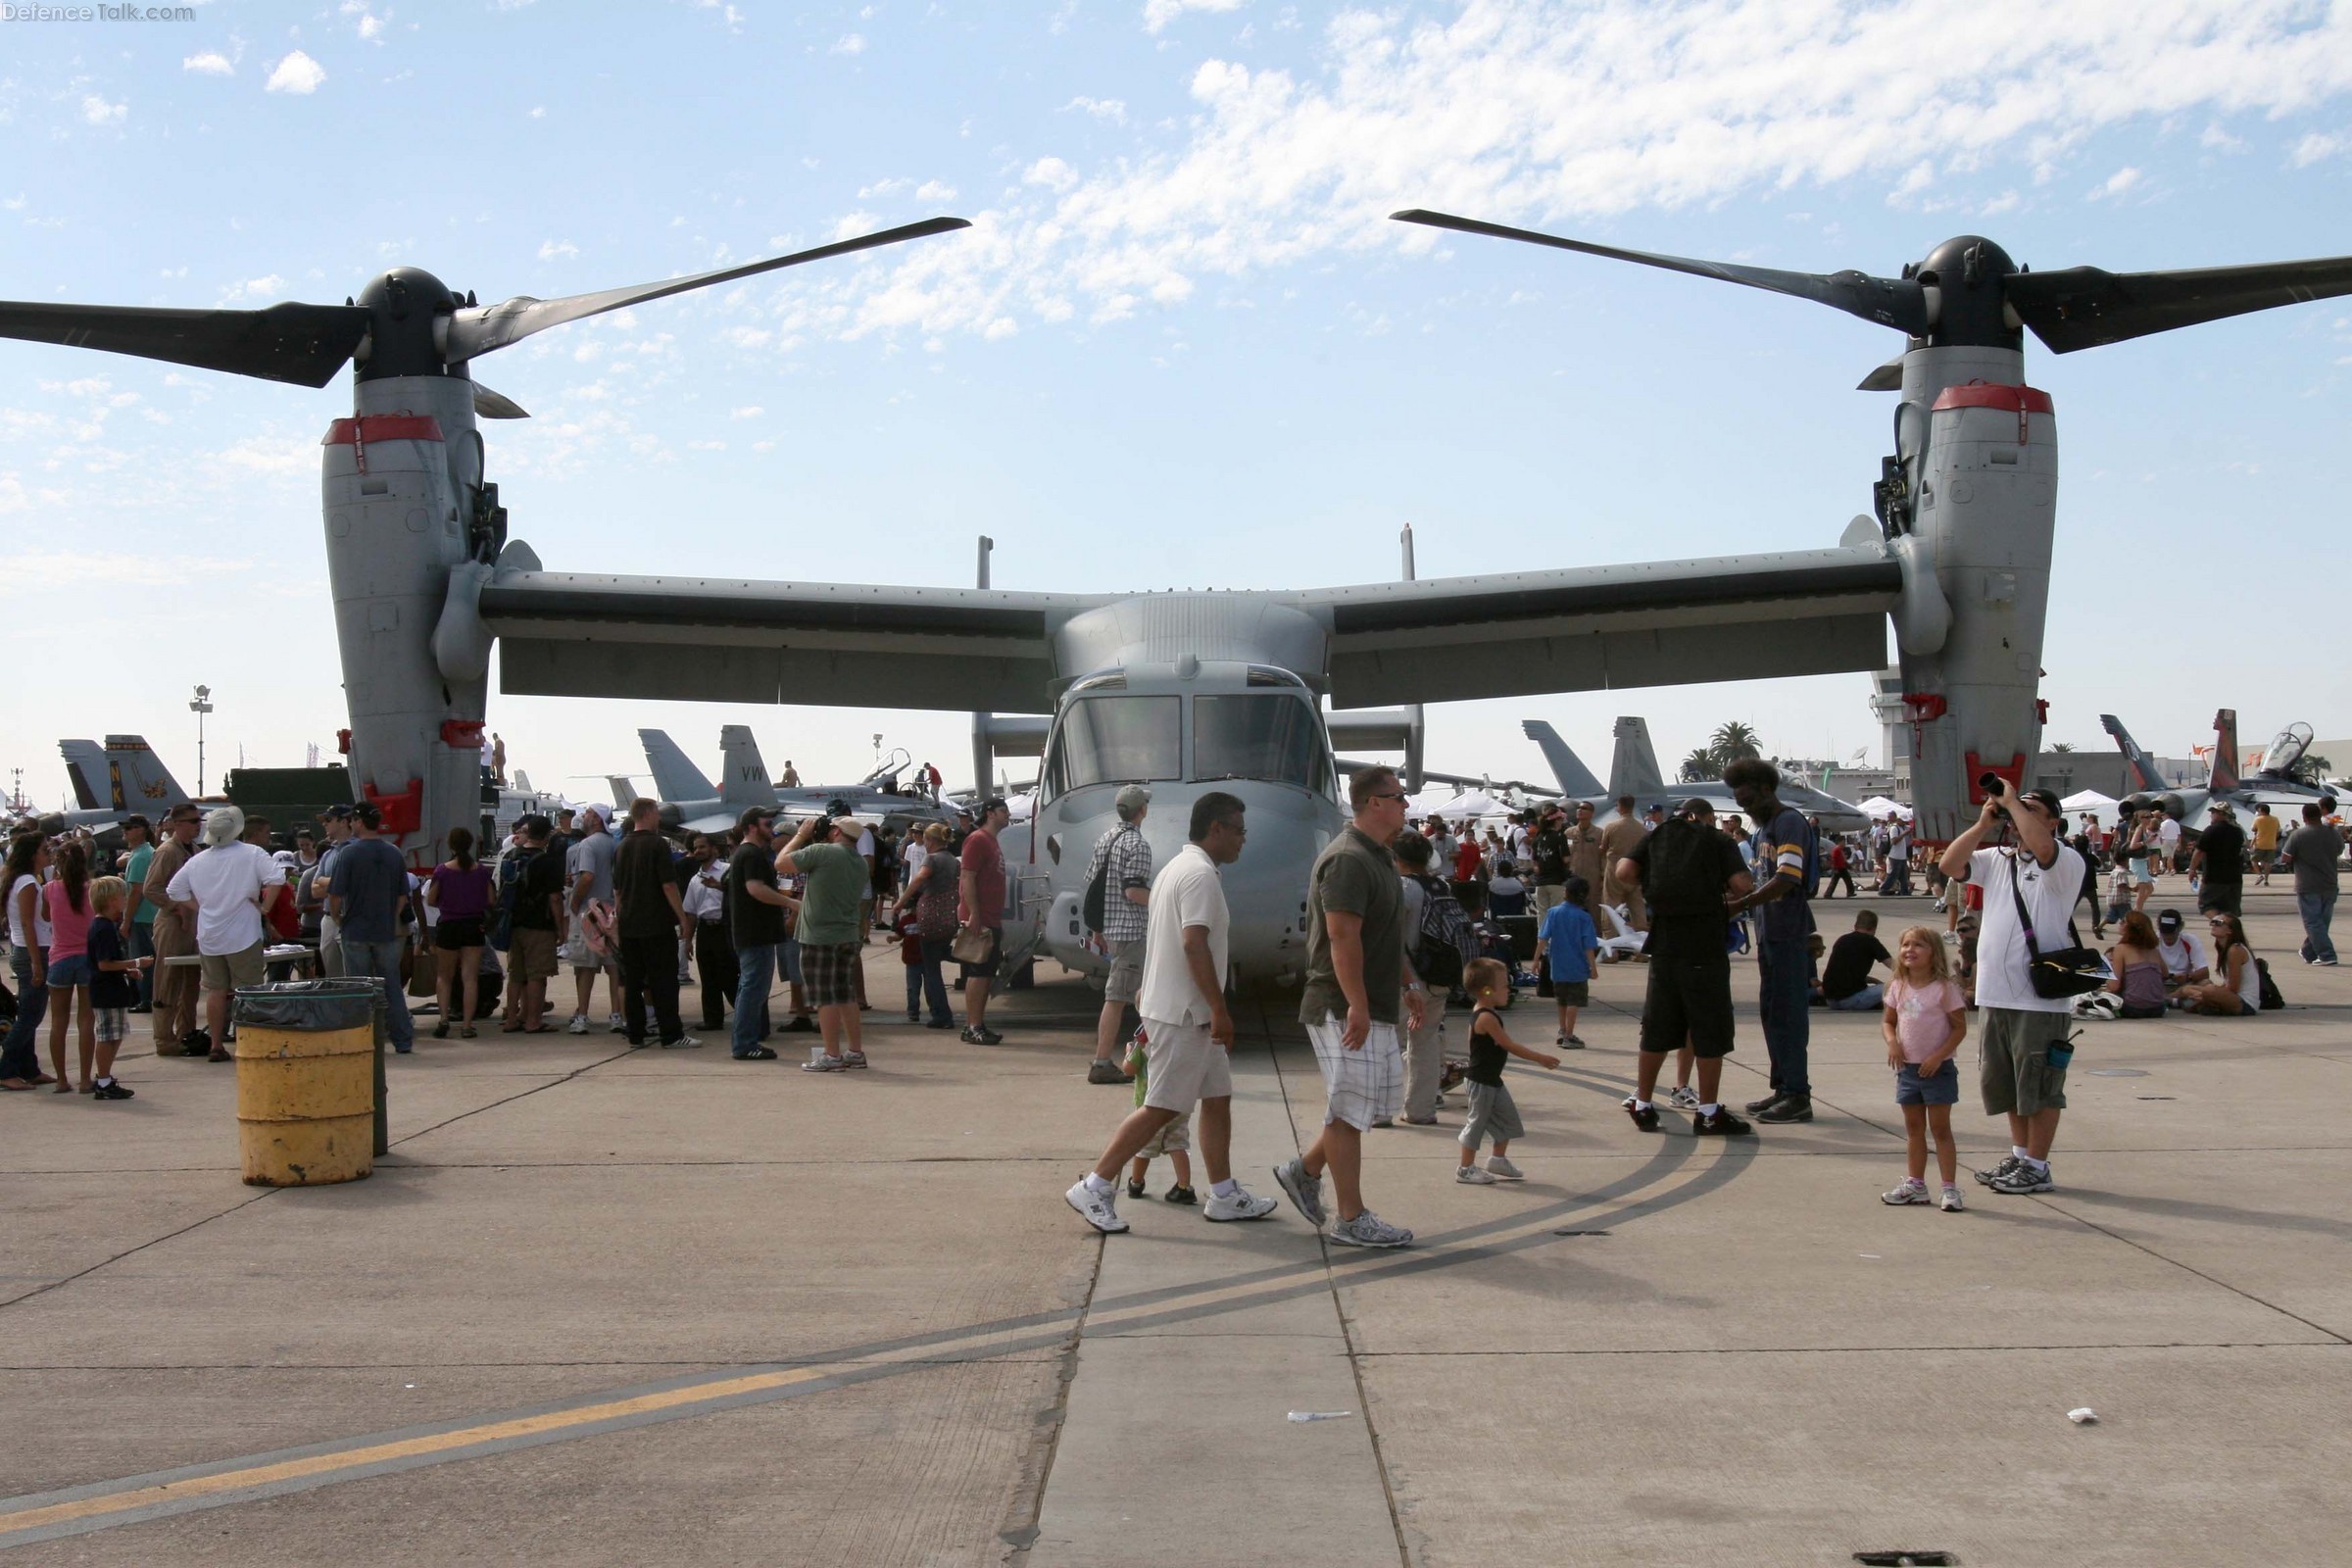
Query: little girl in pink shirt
(1924,1020)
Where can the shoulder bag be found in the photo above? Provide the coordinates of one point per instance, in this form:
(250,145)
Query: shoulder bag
(2064,971)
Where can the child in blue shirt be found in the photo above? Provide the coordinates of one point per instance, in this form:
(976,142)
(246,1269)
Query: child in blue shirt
(1569,942)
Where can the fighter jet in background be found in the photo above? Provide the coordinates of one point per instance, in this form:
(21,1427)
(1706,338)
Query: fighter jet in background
(692,803)
(1633,770)
(2273,785)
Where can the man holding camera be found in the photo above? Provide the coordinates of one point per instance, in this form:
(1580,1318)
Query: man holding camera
(2025,1042)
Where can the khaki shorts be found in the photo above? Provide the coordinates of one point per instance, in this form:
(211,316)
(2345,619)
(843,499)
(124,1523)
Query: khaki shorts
(1126,981)
(1184,1067)
(226,971)
(531,956)
(1176,1138)
(2015,1074)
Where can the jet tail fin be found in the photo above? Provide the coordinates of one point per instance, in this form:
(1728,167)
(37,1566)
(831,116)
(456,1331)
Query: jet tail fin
(744,782)
(2224,775)
(2142,765)
(85,771)
(144,784)
(623,791)
(1633,765)
(1575,778)
(675,778)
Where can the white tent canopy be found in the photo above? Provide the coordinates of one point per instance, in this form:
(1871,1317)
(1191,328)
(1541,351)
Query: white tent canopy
(2100,805)
(1879,807)
(1460,807)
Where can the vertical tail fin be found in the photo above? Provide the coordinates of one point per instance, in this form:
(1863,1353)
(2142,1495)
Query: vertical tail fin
(743,780)
(2142,767)
(1634,766)
(146,784)
(1575,778)
(675,778)
(623,791)
(85,771)
(2224,775)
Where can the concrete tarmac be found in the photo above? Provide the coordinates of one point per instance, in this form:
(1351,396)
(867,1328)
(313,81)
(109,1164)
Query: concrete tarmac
(612,1307)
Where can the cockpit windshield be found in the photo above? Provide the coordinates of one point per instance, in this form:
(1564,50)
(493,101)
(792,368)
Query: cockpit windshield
(1270,737)
(1112,740)
(2287,748)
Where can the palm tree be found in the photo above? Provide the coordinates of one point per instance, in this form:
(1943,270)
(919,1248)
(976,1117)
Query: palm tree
(1733,741)
(1699,766)
(2062,745)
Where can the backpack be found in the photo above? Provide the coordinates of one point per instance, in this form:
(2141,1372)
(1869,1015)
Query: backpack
(509,883)
(1445,942)
(1098,881)
(2271,1000)
(1686,870)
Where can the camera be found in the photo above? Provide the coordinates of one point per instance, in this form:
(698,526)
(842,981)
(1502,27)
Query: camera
(1992,784)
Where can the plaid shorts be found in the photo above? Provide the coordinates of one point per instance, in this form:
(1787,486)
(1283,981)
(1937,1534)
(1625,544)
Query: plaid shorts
(1363,1086)
(829,973)
(110,1023)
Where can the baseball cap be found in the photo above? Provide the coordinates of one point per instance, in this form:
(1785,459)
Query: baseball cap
(2169,920)
(184,812)
(1133,795)
(367,816)
(755,813)
(994,802)
(334,813)
(534,825)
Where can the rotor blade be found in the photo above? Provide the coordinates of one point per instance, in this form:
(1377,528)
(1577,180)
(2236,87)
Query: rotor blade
(305,344)
(1898,303)
(497,405)
(479,329)
(2084,307)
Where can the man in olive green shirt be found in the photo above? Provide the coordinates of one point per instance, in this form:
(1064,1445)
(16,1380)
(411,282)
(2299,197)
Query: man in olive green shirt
(1360,985)
(838,879)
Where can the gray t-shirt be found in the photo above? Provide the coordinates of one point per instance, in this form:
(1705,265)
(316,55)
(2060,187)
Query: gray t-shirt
(373,881)
(2314,847)
(595,855)
(1355,875)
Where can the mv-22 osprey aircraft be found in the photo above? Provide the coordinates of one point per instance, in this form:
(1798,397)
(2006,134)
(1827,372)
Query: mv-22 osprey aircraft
(1196,690)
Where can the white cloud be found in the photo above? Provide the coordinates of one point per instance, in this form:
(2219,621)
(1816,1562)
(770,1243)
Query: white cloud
(1158,13)
(298,73)
(255,290)
(2120,182)
(211,62)
(880,187)
(1113,109)
(934,190)
(751,412)
(855,224)
(849,43)
(2314,147)
(80,568)
(1564,116)
(539,112)
(558,250)
(98,112)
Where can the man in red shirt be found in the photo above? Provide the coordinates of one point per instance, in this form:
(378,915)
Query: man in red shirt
(982,904)
(1466,858)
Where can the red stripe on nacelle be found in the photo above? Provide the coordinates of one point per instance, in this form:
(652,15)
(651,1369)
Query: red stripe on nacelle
(1993,395)
(373,428)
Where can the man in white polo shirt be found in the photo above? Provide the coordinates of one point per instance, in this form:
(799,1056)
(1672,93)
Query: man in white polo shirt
(225,892)
(1188,1033)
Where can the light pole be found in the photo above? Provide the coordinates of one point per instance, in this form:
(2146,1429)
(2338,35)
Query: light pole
(202,705)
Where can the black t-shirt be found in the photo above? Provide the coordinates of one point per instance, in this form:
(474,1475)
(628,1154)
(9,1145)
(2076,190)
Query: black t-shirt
(1487,1054)
(113,988)
(540,879)
(641,871)
(1848,968)
(1551,857)
(1700,927)
(751,923)
(2224,847)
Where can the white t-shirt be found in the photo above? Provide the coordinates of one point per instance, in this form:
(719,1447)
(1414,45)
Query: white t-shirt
(1187,893)
(225,884)
(2181,956)
(38,937)
(2001,957)
(2168,833)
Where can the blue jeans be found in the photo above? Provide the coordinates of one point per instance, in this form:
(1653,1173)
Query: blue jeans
(1867,1000)
(755,976)
(20,1056)
(935,982)
(143,946)
(1783,995)
(381,959)
(1897,879)
(2316,909)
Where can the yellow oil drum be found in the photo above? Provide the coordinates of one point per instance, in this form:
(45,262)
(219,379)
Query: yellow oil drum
(306,1105)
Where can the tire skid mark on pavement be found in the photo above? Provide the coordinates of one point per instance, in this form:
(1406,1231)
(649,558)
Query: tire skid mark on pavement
(131,1500)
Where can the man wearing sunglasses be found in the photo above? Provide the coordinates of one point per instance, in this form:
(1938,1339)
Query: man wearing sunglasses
(1360,985)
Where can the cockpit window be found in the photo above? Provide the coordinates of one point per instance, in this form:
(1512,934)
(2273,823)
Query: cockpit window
(1114,740)
(1269,737)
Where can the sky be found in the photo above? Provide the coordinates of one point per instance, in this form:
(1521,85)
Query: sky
(1182,345)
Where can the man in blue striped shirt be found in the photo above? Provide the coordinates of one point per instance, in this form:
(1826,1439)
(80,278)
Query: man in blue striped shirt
(1784,843)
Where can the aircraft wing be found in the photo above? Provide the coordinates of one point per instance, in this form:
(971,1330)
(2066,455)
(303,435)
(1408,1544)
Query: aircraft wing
(1518,634)
(714,639)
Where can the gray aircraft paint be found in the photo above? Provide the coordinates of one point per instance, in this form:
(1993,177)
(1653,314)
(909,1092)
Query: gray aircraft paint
(1575,778)
(2268,785)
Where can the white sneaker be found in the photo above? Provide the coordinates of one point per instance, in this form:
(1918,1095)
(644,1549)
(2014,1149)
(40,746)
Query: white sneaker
(1472,1176)
(615,1024)
(1240,1203)
(1682,1099)
(1498,1166)
(578,1024)
(1095,1209)
(824,1064)
(1370,1230)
